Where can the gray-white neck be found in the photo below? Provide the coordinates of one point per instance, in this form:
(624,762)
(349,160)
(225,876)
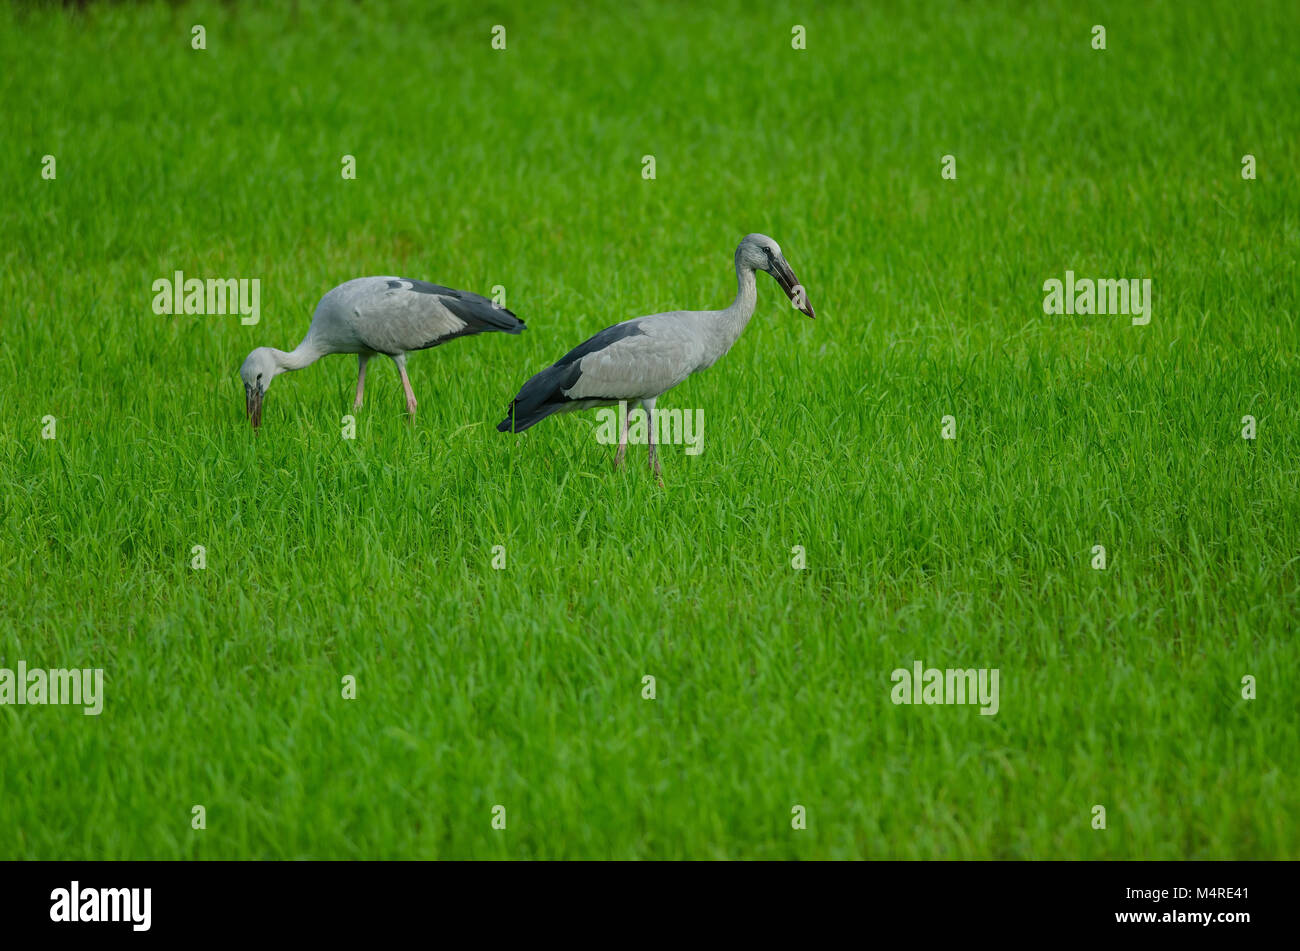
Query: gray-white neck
(731,322)
(303,355)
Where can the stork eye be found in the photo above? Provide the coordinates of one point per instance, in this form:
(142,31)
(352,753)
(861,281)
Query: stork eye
(767,250)
(259,376)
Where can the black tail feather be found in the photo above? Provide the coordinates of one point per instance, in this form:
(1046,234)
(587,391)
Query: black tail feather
(540,397)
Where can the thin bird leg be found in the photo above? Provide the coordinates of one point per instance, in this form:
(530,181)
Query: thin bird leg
(400,360)
(649,407)
(362,360)
(622,439)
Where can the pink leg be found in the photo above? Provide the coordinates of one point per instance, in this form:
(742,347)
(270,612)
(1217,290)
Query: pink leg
(400,360)
(622,439)
(362,359)
(649,406)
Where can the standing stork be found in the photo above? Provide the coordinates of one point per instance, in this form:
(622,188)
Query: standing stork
(370,315)
(641,358)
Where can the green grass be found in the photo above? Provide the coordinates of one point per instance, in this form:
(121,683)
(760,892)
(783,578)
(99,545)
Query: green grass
(522,687)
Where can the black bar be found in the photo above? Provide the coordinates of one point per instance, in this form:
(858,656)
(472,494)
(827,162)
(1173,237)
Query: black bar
(335,900)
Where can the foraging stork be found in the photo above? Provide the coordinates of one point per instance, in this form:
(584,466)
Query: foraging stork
(370,315)
(639,359)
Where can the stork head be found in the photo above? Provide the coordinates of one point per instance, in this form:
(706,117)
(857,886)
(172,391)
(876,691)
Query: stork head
(257,372)
(760,253)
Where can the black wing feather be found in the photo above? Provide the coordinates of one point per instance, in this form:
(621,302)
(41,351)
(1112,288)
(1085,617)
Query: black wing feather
(544,393)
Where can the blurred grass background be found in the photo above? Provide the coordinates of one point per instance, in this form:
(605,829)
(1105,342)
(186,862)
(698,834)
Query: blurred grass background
(522,687)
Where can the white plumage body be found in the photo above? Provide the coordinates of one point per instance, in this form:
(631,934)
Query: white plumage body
(637,360)
(370,315)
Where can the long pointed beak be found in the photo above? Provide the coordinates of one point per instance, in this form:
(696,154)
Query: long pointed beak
(793,289)
(254,398)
